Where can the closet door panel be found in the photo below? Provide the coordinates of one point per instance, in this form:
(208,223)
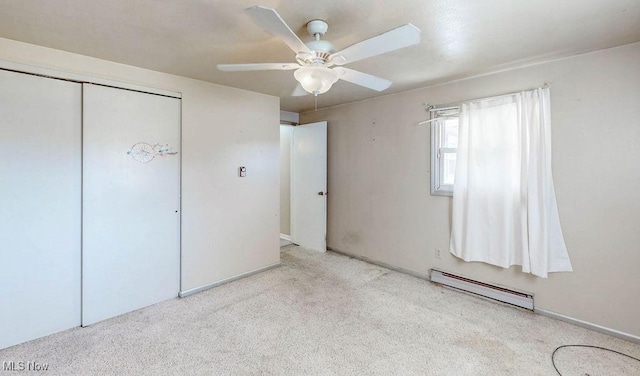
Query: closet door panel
(131,187)
(40,197)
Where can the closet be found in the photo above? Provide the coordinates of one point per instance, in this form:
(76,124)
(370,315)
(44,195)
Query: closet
(90,198)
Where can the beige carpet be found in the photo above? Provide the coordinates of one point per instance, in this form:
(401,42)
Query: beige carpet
(326,314)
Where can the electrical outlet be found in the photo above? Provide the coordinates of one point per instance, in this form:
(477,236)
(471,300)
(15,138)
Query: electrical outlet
(438,255)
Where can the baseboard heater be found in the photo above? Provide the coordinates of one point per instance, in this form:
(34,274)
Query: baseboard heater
(498,293)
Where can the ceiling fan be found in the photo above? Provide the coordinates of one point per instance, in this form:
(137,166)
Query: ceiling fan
(315,58)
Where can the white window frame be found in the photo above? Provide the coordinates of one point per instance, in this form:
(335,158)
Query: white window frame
(437,151)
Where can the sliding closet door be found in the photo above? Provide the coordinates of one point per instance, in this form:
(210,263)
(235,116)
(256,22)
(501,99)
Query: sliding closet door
(131,187)
(40,165)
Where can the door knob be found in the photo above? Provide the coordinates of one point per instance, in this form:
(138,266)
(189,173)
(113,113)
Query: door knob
(322,193)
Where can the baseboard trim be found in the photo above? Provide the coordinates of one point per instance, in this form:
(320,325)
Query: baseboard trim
(184,294)
(285,237)
(380,263)
(588,325)
(543,312)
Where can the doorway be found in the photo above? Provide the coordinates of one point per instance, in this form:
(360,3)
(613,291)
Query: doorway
(286,140)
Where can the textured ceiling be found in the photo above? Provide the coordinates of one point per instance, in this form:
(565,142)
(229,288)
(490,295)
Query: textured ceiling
(460,38)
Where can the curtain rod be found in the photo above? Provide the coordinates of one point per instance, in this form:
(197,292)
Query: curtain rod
(434,109)
(454,106)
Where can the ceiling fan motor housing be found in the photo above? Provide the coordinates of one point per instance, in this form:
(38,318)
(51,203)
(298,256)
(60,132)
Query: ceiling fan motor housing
(320,49)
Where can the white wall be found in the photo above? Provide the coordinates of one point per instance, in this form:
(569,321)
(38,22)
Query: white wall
(230,225)
(380,206)
(285,179)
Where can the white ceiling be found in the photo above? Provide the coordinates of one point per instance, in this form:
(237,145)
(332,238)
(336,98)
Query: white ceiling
(460,38)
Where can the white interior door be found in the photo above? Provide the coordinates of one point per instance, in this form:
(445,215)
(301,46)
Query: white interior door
(131,201)
(309,186)
(40,184)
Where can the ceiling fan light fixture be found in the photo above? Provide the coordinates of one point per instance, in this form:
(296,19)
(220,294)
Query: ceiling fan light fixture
(316,79)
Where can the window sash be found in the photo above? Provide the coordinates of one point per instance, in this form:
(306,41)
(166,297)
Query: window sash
(442,170)
(438,187)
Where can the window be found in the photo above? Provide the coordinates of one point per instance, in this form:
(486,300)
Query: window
(444,149)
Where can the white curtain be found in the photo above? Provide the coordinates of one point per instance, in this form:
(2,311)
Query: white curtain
(504,203)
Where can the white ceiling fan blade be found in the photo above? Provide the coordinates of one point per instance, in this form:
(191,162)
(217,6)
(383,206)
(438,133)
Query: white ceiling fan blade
(363,79)
(391,40)
(299,91)
(270,21)
(257,67)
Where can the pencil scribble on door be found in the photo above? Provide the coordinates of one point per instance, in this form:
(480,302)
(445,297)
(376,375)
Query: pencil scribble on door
(144,152)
